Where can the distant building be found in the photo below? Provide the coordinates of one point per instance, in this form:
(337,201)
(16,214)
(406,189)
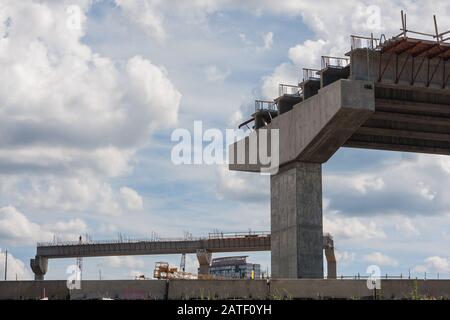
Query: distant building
(234,268)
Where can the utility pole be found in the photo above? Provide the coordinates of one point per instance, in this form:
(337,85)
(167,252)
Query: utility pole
(6,264)
(183,262)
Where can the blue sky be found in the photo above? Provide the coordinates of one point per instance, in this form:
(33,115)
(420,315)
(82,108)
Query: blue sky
(98,105)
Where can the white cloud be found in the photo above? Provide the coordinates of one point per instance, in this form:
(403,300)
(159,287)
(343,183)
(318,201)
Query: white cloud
(416,180)
(214,74)
(344,258)
(332,28)
(132,199)
(107,228)
(63,193)
(420,269)
(308,53)
(70,229)
(71,118)
(380,259)
(434,264)
(242,185)
(16,268)
(359,183)
(17,229)
(426,192)
(268,42)
(406,226)
(285,73)
(125,262)
(352,228)
(146,14)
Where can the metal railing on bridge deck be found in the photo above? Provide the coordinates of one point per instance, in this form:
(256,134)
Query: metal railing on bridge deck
(264,105)
(385,277)
(125,240)
(358,42)
(233,235)
(334,62)
(213,235)
(288,89)
(310,74)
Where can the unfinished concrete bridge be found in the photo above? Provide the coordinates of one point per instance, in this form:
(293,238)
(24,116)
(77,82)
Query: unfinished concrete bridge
(202,247)
(385,94)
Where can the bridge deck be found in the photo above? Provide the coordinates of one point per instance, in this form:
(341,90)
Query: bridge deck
(214,245)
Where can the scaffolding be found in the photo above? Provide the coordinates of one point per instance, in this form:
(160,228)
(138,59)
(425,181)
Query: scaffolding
(164,271)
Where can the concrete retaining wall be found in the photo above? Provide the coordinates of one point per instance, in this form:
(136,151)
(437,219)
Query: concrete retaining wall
(122,289)
(217,289)
(318,289)
(225,289)
(26,290)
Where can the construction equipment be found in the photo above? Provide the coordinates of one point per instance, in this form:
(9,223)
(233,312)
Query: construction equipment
(164,271)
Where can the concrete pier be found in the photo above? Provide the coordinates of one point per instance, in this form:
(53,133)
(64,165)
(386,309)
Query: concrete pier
(39,266)
(204,260)
(296,221)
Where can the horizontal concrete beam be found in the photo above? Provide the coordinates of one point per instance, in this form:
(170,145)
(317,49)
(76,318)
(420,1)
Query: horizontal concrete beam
(315,128)
(242,244)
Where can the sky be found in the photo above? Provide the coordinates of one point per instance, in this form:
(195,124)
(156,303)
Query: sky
(93,90)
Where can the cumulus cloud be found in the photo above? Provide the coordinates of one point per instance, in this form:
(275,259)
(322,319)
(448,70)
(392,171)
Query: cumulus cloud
(132,199)
(408,186)
(308,53)
(381,259)
(71,118)
(242,186)
(17,229)
(146,14)
(434,264)
(285,73)
(352,228)
(16,268)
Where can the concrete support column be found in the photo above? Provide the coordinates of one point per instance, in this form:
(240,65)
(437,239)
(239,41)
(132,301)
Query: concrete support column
(296,221)
(204,261)
(39,266)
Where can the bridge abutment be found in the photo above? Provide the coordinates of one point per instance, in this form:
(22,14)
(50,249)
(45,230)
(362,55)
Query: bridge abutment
(296,221)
